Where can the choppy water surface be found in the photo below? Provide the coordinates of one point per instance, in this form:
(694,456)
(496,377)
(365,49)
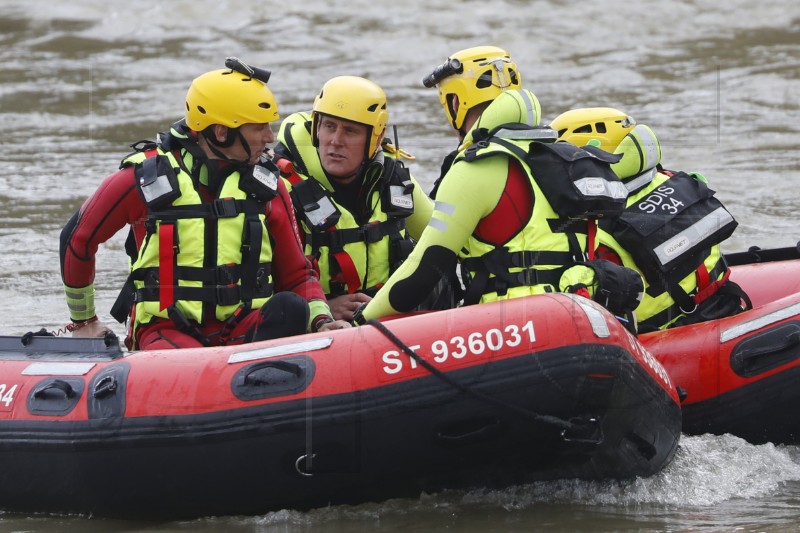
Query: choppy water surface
(718,82)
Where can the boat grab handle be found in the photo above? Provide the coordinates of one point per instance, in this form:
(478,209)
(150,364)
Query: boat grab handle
(105,387)
(58,384)
(766,350)
(256,377)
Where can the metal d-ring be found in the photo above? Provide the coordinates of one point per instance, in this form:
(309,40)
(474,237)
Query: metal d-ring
(298,464)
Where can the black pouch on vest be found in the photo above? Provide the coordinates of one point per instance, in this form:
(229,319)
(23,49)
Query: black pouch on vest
(319,212)
(261,180)
(397,196)
(669,230)
(578,182)
(157,181)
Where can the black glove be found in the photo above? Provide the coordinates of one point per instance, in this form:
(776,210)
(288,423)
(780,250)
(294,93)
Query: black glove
(619,289)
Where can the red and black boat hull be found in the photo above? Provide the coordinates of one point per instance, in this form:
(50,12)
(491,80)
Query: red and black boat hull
(740,374)
(346,417)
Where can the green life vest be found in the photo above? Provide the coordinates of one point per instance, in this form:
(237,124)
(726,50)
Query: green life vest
(532,261)
(352,256)
(203,260)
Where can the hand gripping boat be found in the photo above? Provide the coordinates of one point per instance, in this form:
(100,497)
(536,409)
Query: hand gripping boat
(741,375)
(542,387)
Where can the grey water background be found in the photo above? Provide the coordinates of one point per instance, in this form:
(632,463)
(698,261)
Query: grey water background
(719,82)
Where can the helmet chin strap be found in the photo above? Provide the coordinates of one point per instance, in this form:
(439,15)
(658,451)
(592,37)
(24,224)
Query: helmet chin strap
(232,135)
(372,169)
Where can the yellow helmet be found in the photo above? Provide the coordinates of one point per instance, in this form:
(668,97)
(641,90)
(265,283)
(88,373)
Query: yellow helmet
(604,125)
(474,76)
(354,99)
(230,98)
(614,131)
(640,151)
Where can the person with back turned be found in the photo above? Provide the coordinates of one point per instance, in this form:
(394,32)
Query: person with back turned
(506,207)
(671,229)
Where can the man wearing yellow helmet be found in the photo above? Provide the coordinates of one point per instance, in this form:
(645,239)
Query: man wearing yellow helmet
(359,206)
(671,228)
(496,209)
(215,253)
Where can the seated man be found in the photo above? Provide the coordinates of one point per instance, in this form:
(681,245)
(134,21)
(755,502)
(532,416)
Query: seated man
(671,228)
(359,206)
(215,257)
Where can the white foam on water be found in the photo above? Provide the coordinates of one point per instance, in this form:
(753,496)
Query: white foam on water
(708,471)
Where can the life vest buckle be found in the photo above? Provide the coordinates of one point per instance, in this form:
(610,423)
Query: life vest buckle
(372,233)
(528,277)
(520,259)
(335,240)
(224,207)
(262,280)
(228,295)
(226,274)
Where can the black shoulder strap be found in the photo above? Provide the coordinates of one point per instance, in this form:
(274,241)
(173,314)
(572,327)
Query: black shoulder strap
(397,199)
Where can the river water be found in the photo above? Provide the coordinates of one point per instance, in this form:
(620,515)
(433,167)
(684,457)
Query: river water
(719,83)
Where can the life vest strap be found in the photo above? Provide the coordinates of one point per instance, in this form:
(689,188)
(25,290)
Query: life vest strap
(219,295)
(500,260)
(335,238)
(705,287)
(251,276)
(219,208)
(591,236)
(167,252)
(349,271)
(687,303)
(219,275)
(481,283)
(287,171)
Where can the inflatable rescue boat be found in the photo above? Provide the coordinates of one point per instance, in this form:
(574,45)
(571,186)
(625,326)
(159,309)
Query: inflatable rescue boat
(543,387)
(741,374)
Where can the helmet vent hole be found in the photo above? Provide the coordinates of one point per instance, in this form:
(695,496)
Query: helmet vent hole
(372,108)
(600,127)
(513,75)
(484,80)
(586,128)
(201,109)
(265,105)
